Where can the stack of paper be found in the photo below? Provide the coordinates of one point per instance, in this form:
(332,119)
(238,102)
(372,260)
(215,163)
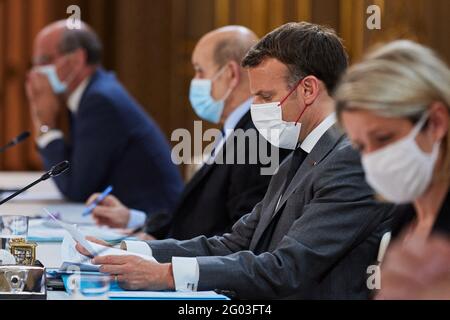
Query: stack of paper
(40,231)
(74,260)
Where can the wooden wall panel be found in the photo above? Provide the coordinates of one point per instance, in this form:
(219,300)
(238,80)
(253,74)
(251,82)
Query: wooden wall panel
(2,67)
(304,10)
(325,12)
(437,24)
(143,47)
(149,42)
(15,117)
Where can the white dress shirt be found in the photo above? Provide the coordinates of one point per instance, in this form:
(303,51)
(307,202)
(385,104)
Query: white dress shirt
(186,270)
(73,103)
(314,136)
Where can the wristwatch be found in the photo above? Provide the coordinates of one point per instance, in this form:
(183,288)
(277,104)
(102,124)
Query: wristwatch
(44,129)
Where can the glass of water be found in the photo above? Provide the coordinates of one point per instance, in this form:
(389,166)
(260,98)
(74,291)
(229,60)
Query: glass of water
(89,287)
(12,227)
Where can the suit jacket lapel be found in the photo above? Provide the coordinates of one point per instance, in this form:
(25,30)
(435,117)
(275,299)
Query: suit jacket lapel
(319,152)
(266,218)
(206,168)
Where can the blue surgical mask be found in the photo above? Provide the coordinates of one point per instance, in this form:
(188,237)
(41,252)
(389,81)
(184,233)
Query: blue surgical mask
(57,85)
(203,103)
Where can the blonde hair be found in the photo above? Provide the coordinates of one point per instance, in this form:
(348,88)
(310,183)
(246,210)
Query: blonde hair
(401,80)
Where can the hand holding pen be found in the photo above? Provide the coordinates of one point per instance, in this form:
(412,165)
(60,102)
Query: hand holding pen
(97,201)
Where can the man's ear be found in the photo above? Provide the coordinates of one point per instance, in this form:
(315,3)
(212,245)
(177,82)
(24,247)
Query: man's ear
(235,73)
(79,58)
(309,89)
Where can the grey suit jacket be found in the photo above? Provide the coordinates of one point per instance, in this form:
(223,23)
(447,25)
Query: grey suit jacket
(326,237)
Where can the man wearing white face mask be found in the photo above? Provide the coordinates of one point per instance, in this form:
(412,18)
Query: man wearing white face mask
(219,194)
(318,227)
(111,141)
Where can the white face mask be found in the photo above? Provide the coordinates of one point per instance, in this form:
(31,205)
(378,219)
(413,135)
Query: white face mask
(203,103)
(401,171)
(268,119)
(57,85)
(269,122)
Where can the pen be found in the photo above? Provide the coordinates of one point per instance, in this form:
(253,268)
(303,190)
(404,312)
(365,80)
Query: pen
(99,199)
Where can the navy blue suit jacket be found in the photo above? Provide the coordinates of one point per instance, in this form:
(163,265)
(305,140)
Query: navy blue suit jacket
(114,142)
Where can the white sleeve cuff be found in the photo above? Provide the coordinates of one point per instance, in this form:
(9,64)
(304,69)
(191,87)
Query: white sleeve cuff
(140,247)
(137,219)
(45,139)
(185,273)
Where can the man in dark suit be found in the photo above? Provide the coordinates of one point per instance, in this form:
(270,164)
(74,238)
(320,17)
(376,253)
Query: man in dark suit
(111,140)
(318,227)
(220,193)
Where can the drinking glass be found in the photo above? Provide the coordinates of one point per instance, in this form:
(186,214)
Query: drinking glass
(89,287)
(12,227)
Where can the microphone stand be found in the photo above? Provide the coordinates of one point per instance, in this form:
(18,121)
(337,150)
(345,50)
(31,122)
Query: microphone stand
(53,172)
(21,137)
(15,194)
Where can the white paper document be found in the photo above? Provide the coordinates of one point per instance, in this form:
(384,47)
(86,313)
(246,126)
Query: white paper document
(41,231)
(72,258)
(74,232)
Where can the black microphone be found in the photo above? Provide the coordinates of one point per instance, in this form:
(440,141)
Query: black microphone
(53,172)
(23,136)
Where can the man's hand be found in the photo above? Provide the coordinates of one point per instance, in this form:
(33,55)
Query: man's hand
(135,273)
(417,270)
(44,104)
(110,212)
(83,251)
(145,236)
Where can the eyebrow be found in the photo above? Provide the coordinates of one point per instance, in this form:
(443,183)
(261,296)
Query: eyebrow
(374,131)
(263,92)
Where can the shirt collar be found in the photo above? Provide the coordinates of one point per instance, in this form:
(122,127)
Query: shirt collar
(236,115)
(73,102)
(315,135)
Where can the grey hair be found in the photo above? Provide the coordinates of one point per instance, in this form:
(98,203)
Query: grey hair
(84,38)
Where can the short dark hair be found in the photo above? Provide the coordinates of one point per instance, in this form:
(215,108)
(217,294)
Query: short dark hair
(85,38)
(306,49)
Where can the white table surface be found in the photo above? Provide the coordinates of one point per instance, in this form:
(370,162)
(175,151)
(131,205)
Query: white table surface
(32,202)
(43,195)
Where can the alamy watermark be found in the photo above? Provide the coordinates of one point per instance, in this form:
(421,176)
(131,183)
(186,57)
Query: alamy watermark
(235,147)
(374,277)
(374,20)
(74,20)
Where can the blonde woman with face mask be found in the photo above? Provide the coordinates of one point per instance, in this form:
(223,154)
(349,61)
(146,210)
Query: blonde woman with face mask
(395,107)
